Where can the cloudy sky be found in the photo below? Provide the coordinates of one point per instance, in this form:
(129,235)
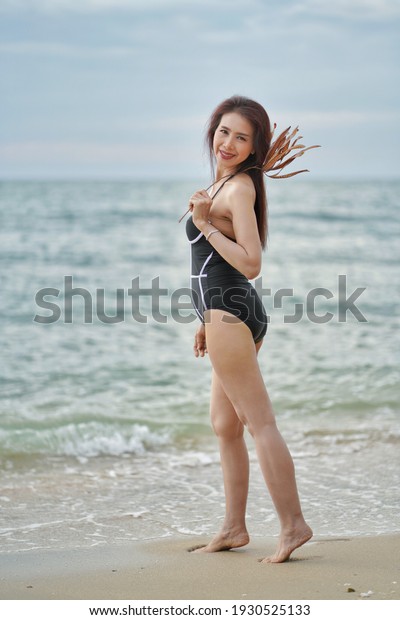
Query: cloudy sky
(123,88)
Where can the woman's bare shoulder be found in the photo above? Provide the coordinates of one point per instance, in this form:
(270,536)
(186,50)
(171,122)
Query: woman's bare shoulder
(241,186)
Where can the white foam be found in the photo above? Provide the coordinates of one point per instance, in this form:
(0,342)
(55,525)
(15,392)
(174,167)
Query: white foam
(96,440)
(84,440)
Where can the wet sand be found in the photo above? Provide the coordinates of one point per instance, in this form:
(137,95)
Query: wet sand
(333,569)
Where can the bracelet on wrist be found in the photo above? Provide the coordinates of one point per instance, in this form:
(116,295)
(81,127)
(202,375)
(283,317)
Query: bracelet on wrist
(211,233)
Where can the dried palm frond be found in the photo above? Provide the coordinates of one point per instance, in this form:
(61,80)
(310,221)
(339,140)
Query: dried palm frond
(280,153)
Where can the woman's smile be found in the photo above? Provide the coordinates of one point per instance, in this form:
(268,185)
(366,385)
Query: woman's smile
(226,155)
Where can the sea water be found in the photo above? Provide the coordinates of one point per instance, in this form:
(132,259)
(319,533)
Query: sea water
(104,429)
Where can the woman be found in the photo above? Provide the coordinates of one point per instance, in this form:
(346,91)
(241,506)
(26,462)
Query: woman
(227,232)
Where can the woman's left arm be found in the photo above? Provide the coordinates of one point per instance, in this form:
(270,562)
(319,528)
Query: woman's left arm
(244,254)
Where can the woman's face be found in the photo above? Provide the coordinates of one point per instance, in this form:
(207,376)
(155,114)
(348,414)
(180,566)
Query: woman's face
(233,140)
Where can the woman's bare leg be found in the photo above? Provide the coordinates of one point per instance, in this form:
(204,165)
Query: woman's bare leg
(235,468)
(233,356)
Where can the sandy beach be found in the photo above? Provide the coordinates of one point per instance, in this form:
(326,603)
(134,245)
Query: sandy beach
(325,569)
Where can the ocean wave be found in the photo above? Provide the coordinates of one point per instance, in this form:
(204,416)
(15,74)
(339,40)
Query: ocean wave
(88,439)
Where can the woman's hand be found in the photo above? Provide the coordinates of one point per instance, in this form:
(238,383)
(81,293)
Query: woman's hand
(200,205)
(200,347)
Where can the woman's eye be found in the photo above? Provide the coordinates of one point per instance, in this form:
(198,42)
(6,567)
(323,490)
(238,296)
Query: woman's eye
(223,131)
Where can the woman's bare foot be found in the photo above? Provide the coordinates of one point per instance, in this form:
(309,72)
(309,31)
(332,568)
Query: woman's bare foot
(223,541)
(288,542)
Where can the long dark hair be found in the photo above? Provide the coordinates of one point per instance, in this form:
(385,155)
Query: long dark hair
(257,116)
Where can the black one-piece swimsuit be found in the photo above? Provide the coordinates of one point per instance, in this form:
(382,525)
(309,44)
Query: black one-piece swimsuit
(216,285)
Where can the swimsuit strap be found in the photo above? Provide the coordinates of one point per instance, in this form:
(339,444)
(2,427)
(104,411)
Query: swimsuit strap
(221,186)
